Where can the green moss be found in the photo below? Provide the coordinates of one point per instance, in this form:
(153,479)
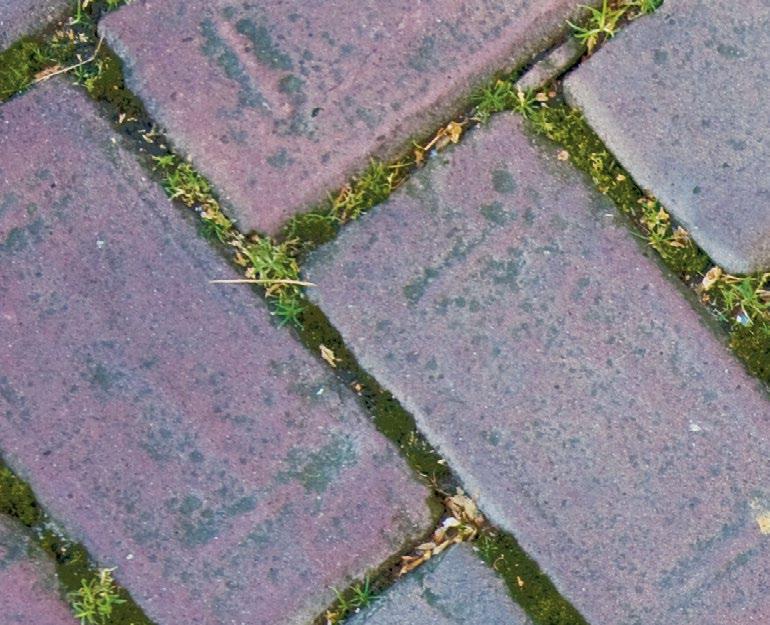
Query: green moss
(20,63)
(526,583)
(586,151)
(17,500)
(371,187)
(752,345)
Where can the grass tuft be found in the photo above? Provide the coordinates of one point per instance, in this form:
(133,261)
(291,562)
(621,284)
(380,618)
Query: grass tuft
(602,23)
(350,601)
(93,603)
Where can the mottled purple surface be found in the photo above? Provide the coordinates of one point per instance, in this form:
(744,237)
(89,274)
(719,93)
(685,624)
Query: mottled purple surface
(29,593)
(568,381)
(681,98)
(163,420)
(279,103)
(24,17)
(455,588)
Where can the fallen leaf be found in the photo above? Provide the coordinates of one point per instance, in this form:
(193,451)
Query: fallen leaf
(711,278)
(46,72)
(328,355)
(454,131)
(680,238)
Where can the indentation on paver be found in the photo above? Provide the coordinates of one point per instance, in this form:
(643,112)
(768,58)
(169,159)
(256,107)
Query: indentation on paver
(280,104)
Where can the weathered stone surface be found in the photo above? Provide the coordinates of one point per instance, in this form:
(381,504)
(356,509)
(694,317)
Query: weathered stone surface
(279,103)
(567,380)
(28,588)
(455,588)
(24,17)
(552,65)
(163,420)
(681,98)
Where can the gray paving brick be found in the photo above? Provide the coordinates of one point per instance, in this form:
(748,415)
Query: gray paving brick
(24,17)
(280,103)
(455,588)
(566,378)
(163,420)
(29,594)
(681,98)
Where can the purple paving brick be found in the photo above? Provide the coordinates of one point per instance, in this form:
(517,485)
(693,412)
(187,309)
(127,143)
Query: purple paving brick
(163,420)
(680,97)
(280,103)
(455,588)
(29,592)
(24,17)
(567,379)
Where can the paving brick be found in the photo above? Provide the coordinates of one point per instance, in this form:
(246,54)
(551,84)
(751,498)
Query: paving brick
(29,593)
(455,588)
(280,103)
(680,97)
(163,420)
(566,378)
(24,17)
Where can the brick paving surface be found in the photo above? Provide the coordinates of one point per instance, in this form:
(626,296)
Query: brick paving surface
(566,379)
(28,588)
(455,588)
(680,97)
(279,103)
(164,421)
(24,17)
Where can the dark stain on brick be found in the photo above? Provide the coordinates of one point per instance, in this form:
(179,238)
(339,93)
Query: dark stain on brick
(217,49)
(503,181)
(264,47)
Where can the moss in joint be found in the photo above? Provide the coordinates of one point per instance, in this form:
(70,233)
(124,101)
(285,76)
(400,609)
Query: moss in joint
(64,44)
(74,568)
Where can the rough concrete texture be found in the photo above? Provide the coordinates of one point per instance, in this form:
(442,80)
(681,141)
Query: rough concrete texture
(163,420)
(566,379)
(680,97)
(551,66)
(29,593)
(455,588)
(24,17)
(280,103)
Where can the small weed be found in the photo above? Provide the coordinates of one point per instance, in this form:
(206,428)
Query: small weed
(365,191)
(525,103)
(646,7)
(499,96)
(96,598)
(370,188)
(740,301)
(260,257)
(600,25)
(351,601)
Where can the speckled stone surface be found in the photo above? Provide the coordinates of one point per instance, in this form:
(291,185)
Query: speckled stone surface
(163,420)
(566,378)
(279,103)
(29,593)
(681,98)
(456,588)
(24,17)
